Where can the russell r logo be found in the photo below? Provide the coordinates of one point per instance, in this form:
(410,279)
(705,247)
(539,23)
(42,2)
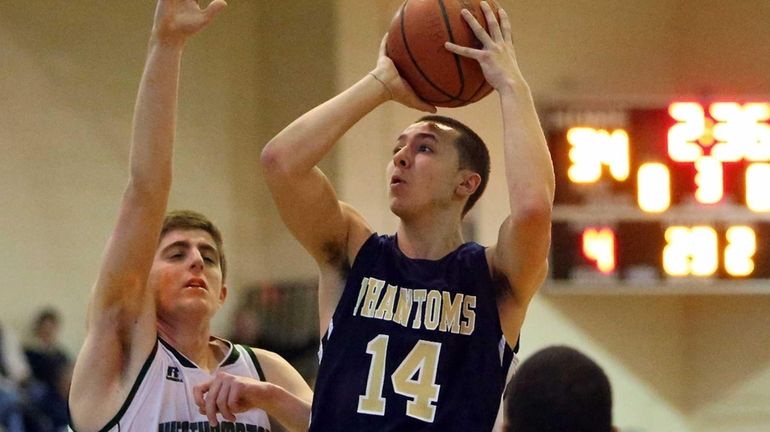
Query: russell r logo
(173,374)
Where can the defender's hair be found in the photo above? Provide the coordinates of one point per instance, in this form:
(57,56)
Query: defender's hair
(472,151)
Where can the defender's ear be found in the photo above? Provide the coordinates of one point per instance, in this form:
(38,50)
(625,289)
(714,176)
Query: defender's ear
(222,294)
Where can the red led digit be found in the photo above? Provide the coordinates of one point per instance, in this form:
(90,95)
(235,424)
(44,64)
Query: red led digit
(599,247)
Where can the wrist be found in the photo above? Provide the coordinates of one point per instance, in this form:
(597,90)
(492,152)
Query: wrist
(386,90)
(269,399)
(514,87)
(158,39)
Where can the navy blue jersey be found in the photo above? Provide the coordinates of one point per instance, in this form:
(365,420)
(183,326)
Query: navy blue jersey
(414,345)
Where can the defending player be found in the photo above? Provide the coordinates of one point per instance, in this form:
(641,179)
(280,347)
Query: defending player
(418,327)
(148,357)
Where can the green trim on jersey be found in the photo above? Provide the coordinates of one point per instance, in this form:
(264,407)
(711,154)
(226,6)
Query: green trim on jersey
(233,357)
(123,408)
(184,361)
(253,356)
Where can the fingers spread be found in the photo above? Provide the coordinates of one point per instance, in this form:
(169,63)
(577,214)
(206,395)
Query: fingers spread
(214,8)
(492,24)
(505,25)
(478,30)
(463,51)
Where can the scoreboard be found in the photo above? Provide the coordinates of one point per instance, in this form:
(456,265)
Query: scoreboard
(669,195)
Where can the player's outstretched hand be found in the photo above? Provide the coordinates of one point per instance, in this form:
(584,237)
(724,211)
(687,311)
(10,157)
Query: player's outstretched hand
(497,58)
(176,20)
(228,395)
(399,90)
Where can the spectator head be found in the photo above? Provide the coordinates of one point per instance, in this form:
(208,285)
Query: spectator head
(46,326)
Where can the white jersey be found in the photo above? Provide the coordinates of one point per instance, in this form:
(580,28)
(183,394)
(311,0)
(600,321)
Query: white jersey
(162,397)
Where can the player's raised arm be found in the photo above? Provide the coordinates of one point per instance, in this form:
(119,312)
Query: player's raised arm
(329,230)
(520,256)
(121,323)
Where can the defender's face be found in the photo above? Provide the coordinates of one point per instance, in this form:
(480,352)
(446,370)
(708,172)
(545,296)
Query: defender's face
(424,170)
(186,274)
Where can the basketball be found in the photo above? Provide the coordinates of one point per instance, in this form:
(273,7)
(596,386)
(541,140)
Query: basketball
(416,46)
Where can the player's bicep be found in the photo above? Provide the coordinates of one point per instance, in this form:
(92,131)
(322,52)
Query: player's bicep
(331,231)
(521,254)
(308,206)
(129,253)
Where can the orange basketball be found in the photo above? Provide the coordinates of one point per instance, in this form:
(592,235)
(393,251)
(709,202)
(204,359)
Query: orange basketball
(416,45)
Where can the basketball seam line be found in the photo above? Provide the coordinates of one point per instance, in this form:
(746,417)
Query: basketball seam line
(448,26)
(417,66)
(457,60)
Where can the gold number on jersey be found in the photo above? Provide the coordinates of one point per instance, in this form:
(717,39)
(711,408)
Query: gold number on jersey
(372,401)
(422,362)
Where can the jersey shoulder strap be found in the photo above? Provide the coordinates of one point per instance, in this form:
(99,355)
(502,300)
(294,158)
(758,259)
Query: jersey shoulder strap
(253,357)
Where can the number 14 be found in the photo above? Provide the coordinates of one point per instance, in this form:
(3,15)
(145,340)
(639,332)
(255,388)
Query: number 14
(423,391)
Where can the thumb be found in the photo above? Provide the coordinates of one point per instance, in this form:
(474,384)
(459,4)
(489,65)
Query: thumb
(425,107)
(414,101)
(384,45)
(214,8)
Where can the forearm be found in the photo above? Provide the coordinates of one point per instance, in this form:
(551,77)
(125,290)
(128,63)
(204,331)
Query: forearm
(528,165)
(155,119)
(288,409)
(524,238)
(302,144)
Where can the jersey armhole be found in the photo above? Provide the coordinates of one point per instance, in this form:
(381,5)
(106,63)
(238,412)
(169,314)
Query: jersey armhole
(254,360)
(373,237)
(139,379)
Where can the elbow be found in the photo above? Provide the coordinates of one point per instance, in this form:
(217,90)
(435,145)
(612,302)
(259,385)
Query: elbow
(537,218)
(541,210)
(533,209)
(269,157)
(273,160)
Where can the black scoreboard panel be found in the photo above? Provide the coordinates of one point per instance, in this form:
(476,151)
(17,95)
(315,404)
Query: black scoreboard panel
(674,192)
(638,253)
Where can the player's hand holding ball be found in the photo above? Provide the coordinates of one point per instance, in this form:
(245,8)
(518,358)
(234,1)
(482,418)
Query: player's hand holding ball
(447,49)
